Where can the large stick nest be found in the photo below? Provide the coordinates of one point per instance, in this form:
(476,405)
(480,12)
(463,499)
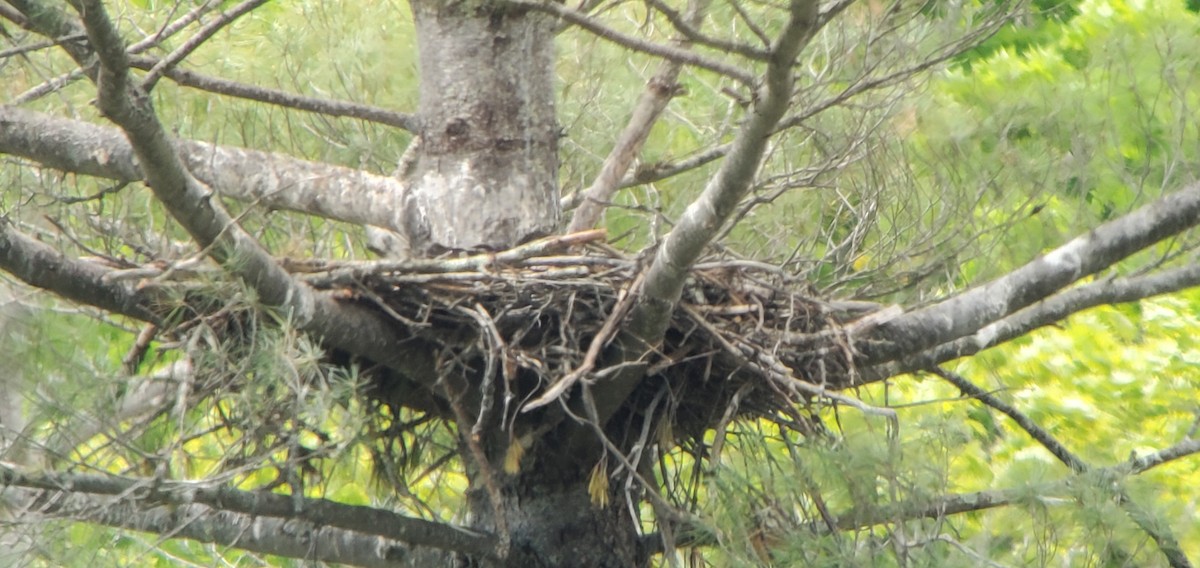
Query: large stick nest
(514,324)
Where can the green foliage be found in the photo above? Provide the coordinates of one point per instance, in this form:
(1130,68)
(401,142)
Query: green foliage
(1106,385)
(1055,125)
(1081,127)
(1077,114)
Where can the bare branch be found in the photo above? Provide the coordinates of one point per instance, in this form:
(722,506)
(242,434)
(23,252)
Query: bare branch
(42,266)
(1101,292)
(974,309)
(670,53)
(646,112)
(703,219)
(289,538)
(327,107)
(272,180)
(319,512)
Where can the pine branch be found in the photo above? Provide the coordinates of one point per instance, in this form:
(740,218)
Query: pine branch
(972,311)
(1055,308)
(42,266)
(954,504)
(703,219)
(149,493)
(268,179)
(1162,535)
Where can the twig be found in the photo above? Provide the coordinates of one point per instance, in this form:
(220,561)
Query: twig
(671,53)
(624,303)
(1162,535)
(207,31)
(354,271)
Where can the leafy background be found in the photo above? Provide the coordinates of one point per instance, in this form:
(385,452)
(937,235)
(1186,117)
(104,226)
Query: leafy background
(1070,116)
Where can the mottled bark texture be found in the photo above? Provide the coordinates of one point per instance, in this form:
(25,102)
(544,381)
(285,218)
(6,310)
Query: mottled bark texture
(550,519)
(486,176)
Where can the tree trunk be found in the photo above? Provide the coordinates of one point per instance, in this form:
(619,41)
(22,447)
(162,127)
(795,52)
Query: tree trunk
(552,525)
(486,173)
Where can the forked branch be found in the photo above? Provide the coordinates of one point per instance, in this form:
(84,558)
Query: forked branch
(703,219)
(346,326)
(1055,308)
(974,310)
(1162,535)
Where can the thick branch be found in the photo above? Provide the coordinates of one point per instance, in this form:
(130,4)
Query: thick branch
(345,326)
(273,180)
(646,112)
(42,266)
(703,219)
(291,538)
(319,512)
(974,309)
(1102,292)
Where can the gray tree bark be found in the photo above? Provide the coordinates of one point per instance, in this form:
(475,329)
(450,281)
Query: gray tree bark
(551,522)
(486,174)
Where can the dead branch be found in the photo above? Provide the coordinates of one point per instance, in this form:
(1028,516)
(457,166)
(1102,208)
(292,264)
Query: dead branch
(1162,535)
(701,221)
(670,53)
(650,105)
(203,34)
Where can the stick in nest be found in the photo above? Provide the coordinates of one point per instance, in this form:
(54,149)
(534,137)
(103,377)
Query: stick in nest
(606,333)
(350,271)
(774,369)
